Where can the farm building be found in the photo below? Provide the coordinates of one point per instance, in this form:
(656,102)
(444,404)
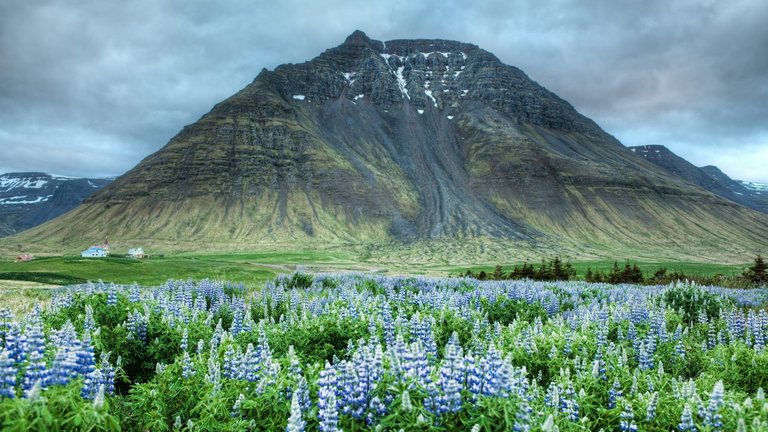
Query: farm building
(24,257)
(136,253)
(94,252)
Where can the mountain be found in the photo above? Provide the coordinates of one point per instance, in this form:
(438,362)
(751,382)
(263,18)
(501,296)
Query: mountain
(417,150)
(708,177)
(30,199)
(757,187)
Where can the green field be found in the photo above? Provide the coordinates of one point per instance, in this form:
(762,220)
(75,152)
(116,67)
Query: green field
(63,270)
(255,268)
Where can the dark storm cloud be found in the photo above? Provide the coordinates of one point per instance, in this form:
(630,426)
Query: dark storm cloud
(91,87)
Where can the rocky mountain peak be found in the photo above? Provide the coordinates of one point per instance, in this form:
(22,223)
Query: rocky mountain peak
(436,76)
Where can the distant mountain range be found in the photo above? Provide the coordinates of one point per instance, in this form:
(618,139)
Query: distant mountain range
(30,199)
(417,150)
(752,195)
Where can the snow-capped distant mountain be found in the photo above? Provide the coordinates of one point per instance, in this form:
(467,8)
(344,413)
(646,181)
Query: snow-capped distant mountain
(757,187)
(29,199)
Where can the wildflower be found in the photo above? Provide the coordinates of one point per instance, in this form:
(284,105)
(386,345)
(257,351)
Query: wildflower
(614,393)
(187,367)
(627,423)
(7,375)
(326,400)
(98,401)
(650,412)
(686,420)
(237,407)
(295,422)
(713,418)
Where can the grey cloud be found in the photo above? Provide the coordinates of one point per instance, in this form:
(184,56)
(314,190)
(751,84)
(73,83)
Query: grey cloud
(91,87)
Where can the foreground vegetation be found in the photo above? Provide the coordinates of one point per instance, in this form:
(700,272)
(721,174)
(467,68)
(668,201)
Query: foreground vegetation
(355,352)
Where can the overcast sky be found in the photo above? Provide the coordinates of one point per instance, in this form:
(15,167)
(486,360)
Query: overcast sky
(90,87)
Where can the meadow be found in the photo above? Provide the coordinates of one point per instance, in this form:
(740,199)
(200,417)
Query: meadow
(253,269)
(357,351)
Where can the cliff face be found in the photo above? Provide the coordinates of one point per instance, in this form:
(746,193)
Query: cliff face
(403,141)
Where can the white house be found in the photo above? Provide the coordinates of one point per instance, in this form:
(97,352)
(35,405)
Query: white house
(94,252)
(136,253)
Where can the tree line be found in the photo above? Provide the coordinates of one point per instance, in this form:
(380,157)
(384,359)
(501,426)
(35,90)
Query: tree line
(558,270)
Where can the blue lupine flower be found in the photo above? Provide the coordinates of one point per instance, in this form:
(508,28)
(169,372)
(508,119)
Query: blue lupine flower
(185,340)
(650,412)
(302,388)
(614,393)
(237,410)
(111,295)
(7,374)
(713,418)
(107,373)
(187,368)
(14,343)
(89,324)
(686,420)
(326,400)
(91,385)
(230,363)
(523,416)
(35,372)
(295,422)
(85,357)
(627,423)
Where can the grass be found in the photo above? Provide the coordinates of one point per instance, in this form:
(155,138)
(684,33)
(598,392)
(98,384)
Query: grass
(152,271)
(22,296)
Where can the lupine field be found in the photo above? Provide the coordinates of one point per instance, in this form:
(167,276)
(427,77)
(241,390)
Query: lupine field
(359,352)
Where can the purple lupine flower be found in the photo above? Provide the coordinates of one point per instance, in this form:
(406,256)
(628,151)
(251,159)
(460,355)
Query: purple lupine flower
(35,340)
(387,323)
(7,374)
(250,364)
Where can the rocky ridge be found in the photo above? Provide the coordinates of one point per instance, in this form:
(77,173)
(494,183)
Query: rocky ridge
(708,177)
